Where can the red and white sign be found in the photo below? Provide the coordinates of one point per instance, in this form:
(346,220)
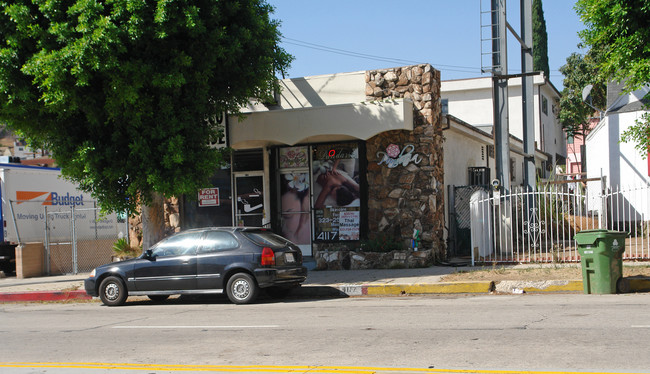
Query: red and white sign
(208,197)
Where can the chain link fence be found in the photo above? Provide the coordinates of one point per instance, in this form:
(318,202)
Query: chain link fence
(79,239)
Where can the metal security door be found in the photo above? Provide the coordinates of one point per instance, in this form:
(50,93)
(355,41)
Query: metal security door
(460,219)
(249,206)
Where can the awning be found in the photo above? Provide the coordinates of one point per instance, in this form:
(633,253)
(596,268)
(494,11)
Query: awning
(320,124)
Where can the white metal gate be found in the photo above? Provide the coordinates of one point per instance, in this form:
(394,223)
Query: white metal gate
(540,226)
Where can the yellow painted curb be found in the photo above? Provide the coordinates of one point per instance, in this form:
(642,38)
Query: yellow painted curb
(436,288)
(272,368)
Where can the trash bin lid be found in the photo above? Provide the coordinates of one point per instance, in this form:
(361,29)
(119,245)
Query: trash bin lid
(589,237)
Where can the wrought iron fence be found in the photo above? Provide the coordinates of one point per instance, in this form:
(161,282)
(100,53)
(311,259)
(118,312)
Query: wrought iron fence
(540,226)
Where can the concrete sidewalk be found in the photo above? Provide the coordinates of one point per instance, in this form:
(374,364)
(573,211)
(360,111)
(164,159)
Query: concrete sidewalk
(319,283)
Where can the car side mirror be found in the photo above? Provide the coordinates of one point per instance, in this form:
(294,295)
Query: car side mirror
(148,254)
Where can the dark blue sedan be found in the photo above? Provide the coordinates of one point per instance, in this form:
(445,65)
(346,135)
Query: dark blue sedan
(236,260)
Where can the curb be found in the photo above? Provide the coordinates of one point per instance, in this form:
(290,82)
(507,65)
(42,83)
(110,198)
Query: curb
(414,289)
(636,284)
(538,286)
(44,296)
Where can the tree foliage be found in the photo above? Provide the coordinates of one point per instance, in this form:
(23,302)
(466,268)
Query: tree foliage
(620,30)
(121,90)
(574,114)
(540,40)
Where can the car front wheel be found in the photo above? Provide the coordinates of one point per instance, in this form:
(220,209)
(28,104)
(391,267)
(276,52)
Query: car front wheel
(241,288)
(112,291)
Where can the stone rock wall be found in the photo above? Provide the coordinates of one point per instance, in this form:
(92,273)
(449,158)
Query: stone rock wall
(357,260)
(405,198)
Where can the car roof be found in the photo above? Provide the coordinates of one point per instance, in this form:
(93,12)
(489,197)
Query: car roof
(229,228)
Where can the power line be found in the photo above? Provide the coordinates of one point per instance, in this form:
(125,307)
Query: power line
(465,69)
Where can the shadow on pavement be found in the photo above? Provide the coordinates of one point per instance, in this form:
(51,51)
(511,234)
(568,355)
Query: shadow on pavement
(302,294)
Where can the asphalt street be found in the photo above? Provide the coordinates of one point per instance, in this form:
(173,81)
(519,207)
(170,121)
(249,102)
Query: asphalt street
(480,334)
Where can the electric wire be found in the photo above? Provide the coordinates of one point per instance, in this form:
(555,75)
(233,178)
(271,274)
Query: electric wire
(443,67)
(465,69)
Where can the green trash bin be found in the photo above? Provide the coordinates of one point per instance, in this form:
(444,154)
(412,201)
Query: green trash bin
(601,256)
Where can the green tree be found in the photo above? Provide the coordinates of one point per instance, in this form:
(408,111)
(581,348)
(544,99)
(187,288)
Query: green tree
(620,30)
(580,71)
(540,40)
(122,91)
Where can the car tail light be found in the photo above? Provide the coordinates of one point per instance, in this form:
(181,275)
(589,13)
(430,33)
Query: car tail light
(268,257)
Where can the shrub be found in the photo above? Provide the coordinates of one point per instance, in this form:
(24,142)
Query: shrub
(382,243)
(122,248)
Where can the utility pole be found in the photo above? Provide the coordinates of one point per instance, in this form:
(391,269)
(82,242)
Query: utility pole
(500,94)
(527,95)
(498,24)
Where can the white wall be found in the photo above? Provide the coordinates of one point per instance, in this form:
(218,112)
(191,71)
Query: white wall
(620,163)
(554,136)
(461,152)
(633,168)
(471,101)
(318,91)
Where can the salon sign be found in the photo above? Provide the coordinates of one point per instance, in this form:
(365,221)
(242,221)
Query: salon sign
(394,157)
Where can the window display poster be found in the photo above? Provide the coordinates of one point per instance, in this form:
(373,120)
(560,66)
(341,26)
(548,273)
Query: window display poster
(336,195)
(349,225)
(294,207)
(293,157)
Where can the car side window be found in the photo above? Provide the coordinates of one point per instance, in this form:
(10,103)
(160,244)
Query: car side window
(178,245)
(216,241)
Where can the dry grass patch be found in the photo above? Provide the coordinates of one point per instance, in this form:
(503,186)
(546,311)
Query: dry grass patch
(534,273)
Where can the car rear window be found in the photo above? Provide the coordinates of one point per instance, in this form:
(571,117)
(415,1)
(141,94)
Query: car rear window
(265,238)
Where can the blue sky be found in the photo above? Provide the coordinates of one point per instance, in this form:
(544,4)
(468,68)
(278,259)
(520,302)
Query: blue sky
(444,33)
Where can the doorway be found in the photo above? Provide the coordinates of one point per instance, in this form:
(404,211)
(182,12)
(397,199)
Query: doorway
(295,211)
(294,196)
(249,206)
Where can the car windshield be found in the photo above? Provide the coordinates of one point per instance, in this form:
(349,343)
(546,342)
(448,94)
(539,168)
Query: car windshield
(184,243)
(265,238)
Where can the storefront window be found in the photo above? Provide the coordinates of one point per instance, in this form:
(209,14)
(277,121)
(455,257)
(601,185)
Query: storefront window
(336,195)
(215,211)
(294,204)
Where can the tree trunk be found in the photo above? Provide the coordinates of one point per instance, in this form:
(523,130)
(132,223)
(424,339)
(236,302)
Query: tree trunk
(153,221)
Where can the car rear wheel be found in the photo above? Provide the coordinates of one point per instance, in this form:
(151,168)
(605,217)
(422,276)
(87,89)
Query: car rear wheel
(158,298)
(242,289)
(112,291)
